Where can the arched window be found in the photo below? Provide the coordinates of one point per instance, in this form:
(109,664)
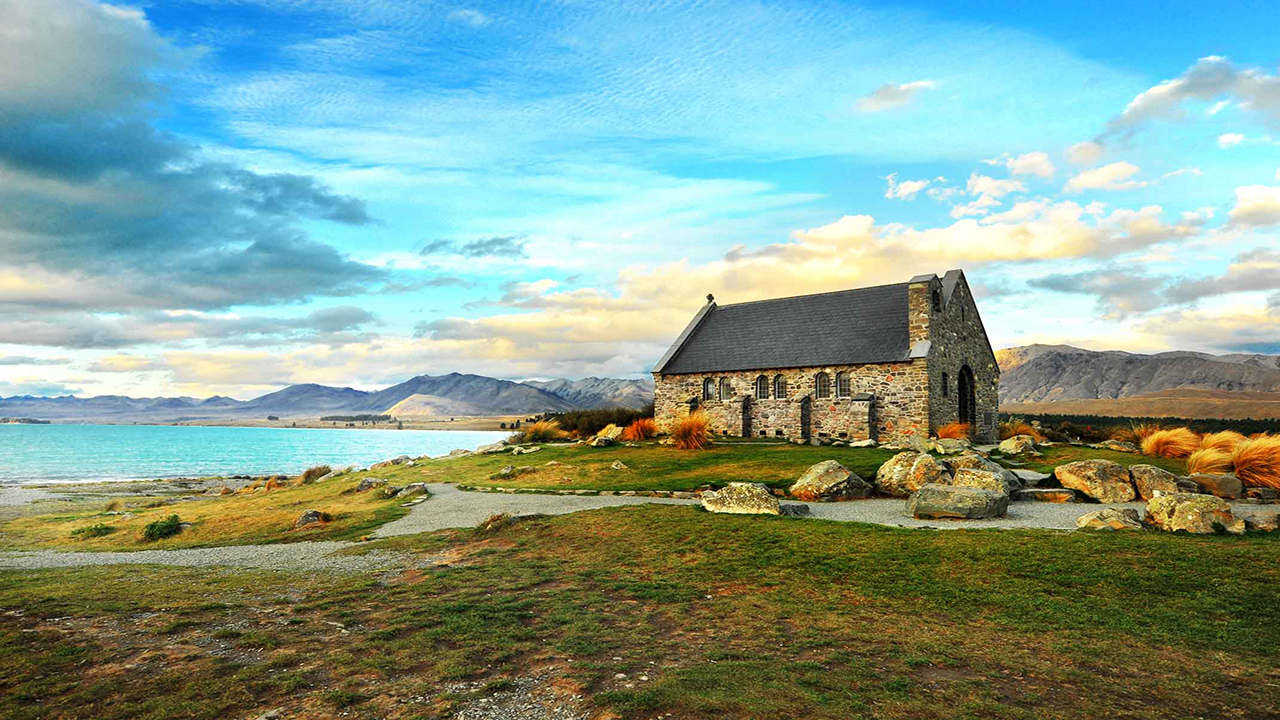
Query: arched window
(779,387)
(708,389)
(762,388)
(844,386)
(822,386)
(726,390)
(946,385)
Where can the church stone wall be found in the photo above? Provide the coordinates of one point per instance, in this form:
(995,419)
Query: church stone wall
(958,339)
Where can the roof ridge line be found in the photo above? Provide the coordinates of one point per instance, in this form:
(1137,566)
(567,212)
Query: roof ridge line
(793,297)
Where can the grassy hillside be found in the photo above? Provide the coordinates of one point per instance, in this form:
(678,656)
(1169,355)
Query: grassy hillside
(1179,403)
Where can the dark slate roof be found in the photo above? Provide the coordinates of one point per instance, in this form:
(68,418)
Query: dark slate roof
(849,327)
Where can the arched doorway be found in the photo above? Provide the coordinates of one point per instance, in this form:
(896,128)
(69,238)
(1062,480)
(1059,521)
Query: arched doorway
(964,396)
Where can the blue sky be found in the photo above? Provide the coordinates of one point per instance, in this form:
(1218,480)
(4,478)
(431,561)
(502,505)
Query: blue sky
(226,196)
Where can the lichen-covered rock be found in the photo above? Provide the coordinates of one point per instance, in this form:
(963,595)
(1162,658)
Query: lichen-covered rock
(369,484)
(492,448)
(974,461)
(517,450)
(311,517)
(937,502)
(1223,486)
(1118,446)
(741,499)
(618,465)
(985,479)
(402,460)
(611,431)
(1262,520)
(600,441)
(412,489)
(951,446)
(1102,480)
(907,472)
(1017,445)
(1053,495)
(1185,512)
(1030,478)
(829,480)
(1149,479)
(1110,519)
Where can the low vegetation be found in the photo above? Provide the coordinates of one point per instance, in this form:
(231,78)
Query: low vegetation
(315,473)
(1209,460)
(1096,428)
(955,431)
(161,529)
(1171,443)
(93,531)
(1257,461)
(540,431)
(1016,426)
(585,423)
(692,432)
(641,429)
(1224,440)
(725,616)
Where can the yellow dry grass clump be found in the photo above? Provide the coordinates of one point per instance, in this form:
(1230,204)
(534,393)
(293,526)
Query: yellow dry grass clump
(1257,462)
(1172,443)
(541,431)
(1213,461)
(1142,431)
(641,429)
(692,432)
(1016,426)
(954,430)
(1225,441)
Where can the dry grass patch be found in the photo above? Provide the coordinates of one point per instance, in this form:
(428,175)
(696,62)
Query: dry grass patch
(954,431)
(1257,462)
(641,429)
(1225,441)
(540,431)
(1172,443)
(1212,461)
(1016,426)
(692,432)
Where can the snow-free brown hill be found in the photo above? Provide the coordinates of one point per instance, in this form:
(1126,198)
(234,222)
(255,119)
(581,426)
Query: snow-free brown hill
(433,406)
(1055,373)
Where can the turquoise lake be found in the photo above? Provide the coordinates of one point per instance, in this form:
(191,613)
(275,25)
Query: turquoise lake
(88,453)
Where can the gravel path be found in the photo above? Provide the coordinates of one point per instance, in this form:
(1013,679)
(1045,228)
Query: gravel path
(17,495)
(450,508)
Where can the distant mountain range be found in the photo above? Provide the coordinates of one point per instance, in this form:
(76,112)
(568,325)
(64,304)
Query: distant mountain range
(454,394)
(1069,380)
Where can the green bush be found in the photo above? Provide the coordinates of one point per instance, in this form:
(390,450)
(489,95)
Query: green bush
(93,531)
(161,529)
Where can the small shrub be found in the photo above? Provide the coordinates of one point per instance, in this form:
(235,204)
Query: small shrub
(692,432)
(315,473)
(1016,426)
(344,698)
(541,431)
(162,529)
(1143,430)
(1225,441)
(93,531)
(641,429)
(494,523)
(1125,434)
(1209,460)
(1257,462)
(1172,443)
(954,431)
(589,422)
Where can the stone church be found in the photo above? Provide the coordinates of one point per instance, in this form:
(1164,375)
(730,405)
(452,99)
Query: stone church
(882,363)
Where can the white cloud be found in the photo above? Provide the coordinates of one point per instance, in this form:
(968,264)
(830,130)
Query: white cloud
(1210,78)
(988,190)
(1085,153)
(1257,206)
(473,18)
(1230,140)
(1032,163)
(890,96)
(905,190)
(1218,107)
(1183,171)
(1115,176)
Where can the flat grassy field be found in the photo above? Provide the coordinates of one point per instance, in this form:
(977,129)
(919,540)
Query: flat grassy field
(649,467)
(239,519)
(726,617)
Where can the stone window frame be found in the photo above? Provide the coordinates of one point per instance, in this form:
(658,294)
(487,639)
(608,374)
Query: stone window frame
(822,386)
(709,389)
(725,389)
(762,388)
(844,385)
(779,387)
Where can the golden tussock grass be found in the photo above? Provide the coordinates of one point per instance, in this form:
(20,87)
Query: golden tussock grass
(1213,461)
(1142,431)
(1172,443)
(540,431)
(692,432)
(1257,462)
(1014,426)
(1225,441)
(954,430)
(641,429)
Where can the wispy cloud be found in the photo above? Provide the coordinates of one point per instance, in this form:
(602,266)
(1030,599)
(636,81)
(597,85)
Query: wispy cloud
(890,96)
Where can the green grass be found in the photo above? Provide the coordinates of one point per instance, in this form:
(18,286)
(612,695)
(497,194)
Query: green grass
(754,617)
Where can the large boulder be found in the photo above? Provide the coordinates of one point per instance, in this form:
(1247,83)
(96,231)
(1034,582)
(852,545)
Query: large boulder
(369,484)
(1110,519)
(612,432)
(1262,520)
(936,502)
(517,450)
(974,461)
(1223,486)
(1149,479)
(985,479)
(1017,445)
(1030,478)
(741,499)
(1118,446)
(1185,512)
(412,489)
(1102,480)
(829,480)
(492,448)
(311,517)
(1053,495)
(951,446)
(907,472)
